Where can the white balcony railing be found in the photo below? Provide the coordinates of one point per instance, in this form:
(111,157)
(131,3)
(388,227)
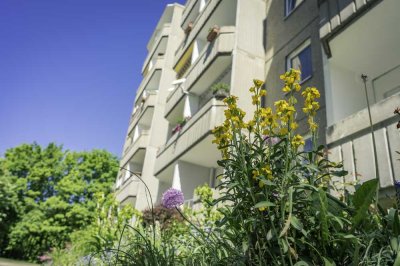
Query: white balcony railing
(149,100)
(223,45)
(140,143)
(350,141)
(199,126)
(163,34)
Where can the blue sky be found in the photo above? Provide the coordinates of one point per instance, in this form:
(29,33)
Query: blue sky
(69,70)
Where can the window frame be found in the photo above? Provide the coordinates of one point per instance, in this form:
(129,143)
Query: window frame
(304,45)
(286,11)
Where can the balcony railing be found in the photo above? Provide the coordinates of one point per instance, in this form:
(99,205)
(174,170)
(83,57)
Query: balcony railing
(350,141)
(188,9)
(198,24)
(163,34)
(148,101)
(335,14)
(223,45)
(140,143)
(158,65)
(128,190)
(199,126)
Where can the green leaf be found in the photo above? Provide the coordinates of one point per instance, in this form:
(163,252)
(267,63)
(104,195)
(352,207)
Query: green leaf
(323,215)
(269,235)
(394,243)
(264,204)
(328,262)
(363,198)
(396,224)
(296,223)
(397,261)
(301,263)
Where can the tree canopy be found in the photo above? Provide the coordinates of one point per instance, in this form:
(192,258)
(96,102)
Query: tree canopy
(47,193)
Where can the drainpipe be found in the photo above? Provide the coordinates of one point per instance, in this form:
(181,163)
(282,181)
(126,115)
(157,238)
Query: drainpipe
(364,77)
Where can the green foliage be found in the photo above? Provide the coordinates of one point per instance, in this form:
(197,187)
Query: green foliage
(102,234)
(50,194)
(166,218)
(223,87)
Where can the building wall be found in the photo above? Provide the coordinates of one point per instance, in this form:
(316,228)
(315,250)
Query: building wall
(283,34)
(258,46)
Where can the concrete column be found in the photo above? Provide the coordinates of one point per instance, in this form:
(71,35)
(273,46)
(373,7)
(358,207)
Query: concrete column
(136,134)
(176,181)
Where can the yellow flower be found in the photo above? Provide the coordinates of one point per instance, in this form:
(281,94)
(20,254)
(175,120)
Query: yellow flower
(262,209)
(255,100)
(263,92)
(258,83)
(286,89)
(294,125)
(252,89)
(255,174)
(297,141)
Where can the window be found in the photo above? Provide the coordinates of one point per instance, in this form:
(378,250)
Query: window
(291,5)
(301,59)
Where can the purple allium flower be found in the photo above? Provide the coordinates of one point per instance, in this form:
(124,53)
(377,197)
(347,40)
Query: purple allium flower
(271,140)
(172,198)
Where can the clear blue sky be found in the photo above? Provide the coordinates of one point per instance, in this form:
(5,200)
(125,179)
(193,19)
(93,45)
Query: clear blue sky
(69,70)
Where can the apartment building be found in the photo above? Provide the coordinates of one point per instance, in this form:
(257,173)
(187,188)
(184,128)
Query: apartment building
(208,42)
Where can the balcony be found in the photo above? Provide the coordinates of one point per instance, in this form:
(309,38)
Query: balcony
(336,14)
(190,8)
(211,64)
(166,19)
(193,143)
(127,193)
(143,112)
(159,48)
(350,141)
(135,151)
(152,80)
(215,12)
(369,46)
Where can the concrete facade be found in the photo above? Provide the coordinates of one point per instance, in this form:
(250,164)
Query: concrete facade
(169,135)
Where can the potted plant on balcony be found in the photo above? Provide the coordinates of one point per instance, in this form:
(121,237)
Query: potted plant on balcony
(180,124)
(212,33)
(220,90)
(189,28)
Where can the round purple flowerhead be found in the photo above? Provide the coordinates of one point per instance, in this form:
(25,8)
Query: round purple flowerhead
(172,198)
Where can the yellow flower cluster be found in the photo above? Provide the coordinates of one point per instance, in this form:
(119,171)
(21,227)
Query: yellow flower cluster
(284,110)
(234,120)
(258,92)
(264,171)
(266,121)
(310,105)
(297,141)
(291,79)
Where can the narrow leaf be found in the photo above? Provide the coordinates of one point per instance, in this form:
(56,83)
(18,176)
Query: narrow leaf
(362,199)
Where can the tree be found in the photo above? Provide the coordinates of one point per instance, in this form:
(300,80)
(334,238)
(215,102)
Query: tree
(50,194)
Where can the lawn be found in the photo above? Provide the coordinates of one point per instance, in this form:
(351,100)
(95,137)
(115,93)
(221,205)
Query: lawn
(8,262)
